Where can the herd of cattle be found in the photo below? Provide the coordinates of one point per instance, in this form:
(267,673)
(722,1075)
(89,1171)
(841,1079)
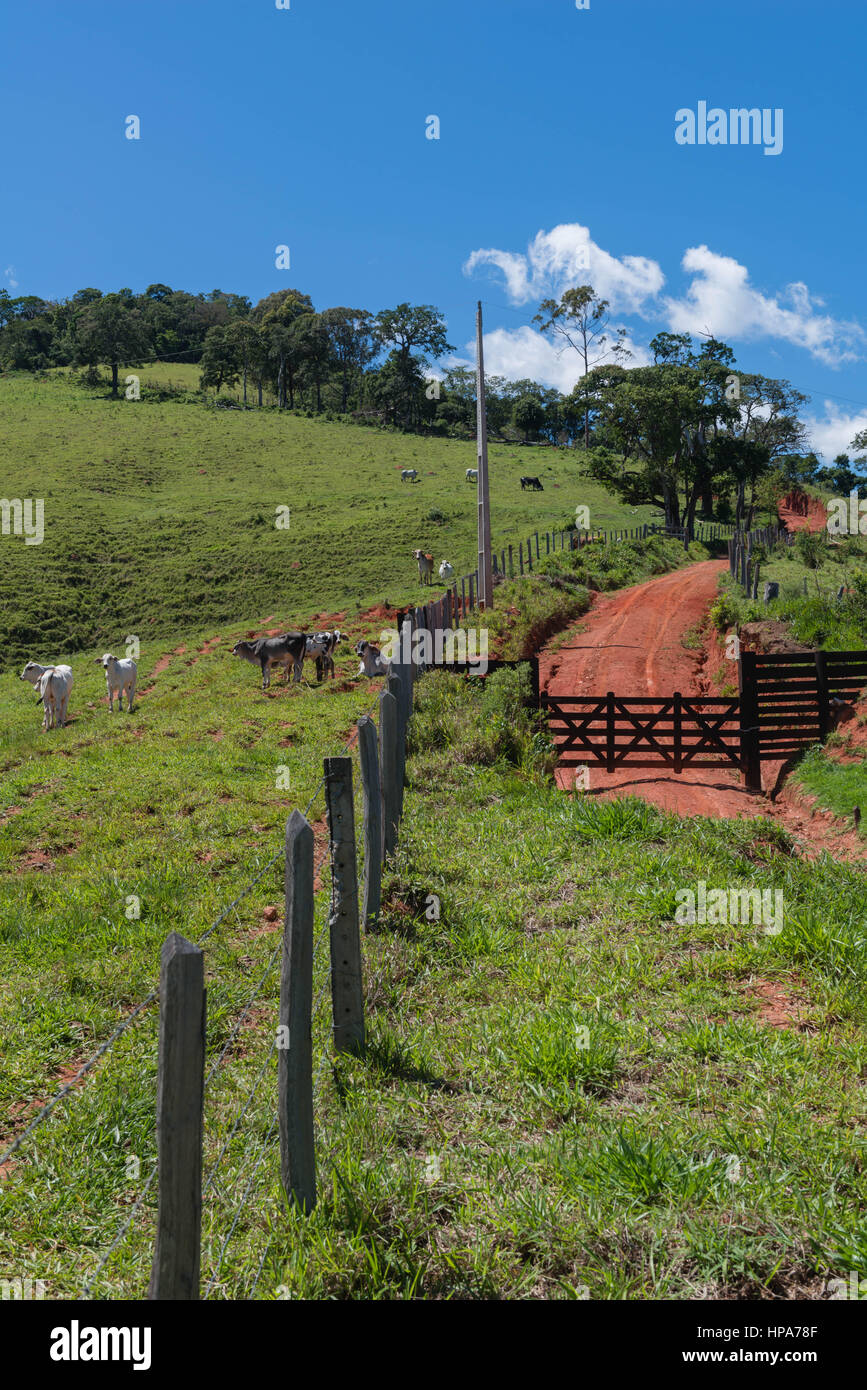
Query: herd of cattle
(290,649)
(54,683)
(410,475)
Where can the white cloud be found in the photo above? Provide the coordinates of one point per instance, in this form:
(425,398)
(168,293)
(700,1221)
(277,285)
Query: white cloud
(568,256)
(720,300)
(516,353)
(9,274)
(833,434)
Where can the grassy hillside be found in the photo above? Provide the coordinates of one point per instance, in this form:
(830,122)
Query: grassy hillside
(702,1139)
(159,516)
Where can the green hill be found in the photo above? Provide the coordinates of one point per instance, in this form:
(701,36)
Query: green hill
(160,515)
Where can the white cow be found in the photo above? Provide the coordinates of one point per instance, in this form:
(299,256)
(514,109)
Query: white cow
(425,565)
(446,572)
(54,684)
(120,679)
(472,475)
(372,661)
(408,475)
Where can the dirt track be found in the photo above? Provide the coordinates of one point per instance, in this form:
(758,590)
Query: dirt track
(630,642)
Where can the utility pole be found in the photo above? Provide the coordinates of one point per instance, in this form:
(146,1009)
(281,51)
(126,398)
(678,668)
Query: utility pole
(486,578)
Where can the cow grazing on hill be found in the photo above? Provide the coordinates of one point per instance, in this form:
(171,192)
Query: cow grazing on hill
(121,675)
(534,483)
(409,475)
(265,652)
(53,684)
(425,565)
(472,475)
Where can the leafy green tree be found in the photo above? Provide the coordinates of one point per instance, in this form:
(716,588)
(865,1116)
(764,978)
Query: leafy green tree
(221,361)
(413,331)
(351,346)
(579,320)
(112,330)
(529,416)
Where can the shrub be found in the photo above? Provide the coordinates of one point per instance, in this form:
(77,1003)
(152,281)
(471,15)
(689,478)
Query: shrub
(810,546)
(723,612)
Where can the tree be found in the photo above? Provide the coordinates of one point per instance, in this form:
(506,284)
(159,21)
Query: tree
(418,329)
(280,315)
(580,318)
(112,330)
(350,336)
(243,335)
(220,360)
(529,415)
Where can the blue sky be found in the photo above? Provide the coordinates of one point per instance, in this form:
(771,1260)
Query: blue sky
(306,127)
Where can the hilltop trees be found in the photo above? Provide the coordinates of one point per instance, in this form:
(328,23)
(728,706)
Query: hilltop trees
(685,432)
(692,424)
(111,330)
(579,320)
(412,331)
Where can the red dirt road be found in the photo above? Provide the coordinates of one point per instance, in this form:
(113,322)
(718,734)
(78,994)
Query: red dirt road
(630,642)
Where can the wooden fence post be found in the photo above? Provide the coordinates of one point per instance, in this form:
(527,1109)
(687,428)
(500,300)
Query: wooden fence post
(368,751)
(609,733)
(397,688)
(180,1091)
(751,763)
(822,695)
(346,997)
(511,564)
(388,767)
(295,1050)
(678,732)
(521,556)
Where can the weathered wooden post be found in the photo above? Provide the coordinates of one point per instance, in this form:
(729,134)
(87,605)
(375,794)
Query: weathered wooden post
(822,695)
(397,687)
(751,763)
(388,769)
(610,746)
(511,564)
(346,996)
(295,1051)
(368,750)
(180,1092)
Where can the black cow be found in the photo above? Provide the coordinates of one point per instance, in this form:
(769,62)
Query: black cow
(533,483)
(275,651)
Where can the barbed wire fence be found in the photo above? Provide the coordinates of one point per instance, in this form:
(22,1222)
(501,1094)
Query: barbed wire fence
(16,1146)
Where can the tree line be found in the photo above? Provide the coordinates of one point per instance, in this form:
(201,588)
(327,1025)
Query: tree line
(686,432)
